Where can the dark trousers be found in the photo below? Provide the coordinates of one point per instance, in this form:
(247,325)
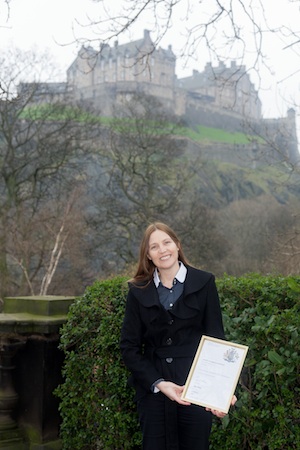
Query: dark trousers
(166,425)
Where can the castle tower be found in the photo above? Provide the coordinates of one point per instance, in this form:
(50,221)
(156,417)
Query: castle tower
(105,77)
(228,88)
(292,143)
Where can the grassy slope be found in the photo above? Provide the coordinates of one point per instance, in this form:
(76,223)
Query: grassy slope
(198,134)
(263,179)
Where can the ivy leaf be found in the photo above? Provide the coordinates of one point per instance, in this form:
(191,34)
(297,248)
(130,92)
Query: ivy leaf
(293,285)
(275,358)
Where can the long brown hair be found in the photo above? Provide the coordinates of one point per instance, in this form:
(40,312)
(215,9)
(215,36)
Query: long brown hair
(145,267)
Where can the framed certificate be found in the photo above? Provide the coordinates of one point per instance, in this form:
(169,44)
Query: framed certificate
(214,374)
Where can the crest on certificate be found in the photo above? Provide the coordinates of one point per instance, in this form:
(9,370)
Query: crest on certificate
(231,355)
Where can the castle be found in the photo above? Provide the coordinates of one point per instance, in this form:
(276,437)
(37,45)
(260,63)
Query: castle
(107,76)
(220,97)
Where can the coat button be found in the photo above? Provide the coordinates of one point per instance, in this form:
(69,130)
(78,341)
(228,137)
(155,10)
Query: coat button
(169,360)
(171,322)
(169,341)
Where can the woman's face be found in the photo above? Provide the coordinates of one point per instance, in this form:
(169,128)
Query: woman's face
(163,251)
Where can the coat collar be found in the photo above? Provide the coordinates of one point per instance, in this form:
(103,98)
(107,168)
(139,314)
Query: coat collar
(180,275)
(195,280)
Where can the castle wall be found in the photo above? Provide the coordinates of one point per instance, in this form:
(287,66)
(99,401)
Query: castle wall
(227,87)
(139,66)
(220,97)
(211,116)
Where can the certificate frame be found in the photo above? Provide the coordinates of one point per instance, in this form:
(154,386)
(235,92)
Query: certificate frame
(214,373)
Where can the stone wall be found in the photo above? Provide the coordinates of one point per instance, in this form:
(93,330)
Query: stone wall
(30,370)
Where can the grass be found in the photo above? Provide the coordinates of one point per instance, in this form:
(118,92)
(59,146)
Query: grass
(198,134)
(207,134)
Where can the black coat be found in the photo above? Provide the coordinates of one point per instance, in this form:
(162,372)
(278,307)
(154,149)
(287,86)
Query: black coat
(156,343)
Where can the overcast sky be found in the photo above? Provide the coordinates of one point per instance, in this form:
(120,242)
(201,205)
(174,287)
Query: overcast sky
(49,25)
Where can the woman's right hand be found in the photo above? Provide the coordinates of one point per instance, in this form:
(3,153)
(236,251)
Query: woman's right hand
(172,391)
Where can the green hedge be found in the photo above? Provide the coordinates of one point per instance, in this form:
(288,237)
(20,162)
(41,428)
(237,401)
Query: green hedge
(262,312)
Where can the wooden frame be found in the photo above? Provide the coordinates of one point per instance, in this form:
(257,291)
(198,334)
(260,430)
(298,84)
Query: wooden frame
(214,374)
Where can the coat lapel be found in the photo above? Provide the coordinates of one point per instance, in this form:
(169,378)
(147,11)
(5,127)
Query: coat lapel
(187,306)
(191,303)
(147,296)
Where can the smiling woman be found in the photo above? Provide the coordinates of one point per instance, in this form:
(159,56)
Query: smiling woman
(170,305)
(163,252)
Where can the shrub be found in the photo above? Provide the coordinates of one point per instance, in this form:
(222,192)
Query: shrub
(263,313)
(97,407)
(95,404)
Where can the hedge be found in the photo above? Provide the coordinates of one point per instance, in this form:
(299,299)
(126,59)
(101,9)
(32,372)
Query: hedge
(97,407)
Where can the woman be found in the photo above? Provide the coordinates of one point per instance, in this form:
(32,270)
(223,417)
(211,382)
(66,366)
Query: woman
(170,305)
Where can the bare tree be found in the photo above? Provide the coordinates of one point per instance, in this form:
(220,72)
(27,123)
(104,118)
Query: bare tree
(43,156)
(60,238)
(4,14)
(218,29)
(252,227)
(38,242)
(146,172)
(197,224)
(151,175)
(285,254)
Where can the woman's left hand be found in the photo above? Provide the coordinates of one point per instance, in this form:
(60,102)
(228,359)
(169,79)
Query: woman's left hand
(172,391)
(221,414)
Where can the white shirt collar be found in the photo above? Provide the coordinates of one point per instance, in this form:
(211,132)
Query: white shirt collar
(180,275)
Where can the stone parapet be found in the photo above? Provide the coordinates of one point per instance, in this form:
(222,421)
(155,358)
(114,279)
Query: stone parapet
(30,370)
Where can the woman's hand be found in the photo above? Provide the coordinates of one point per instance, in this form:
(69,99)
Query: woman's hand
(221,414)
(172,391)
